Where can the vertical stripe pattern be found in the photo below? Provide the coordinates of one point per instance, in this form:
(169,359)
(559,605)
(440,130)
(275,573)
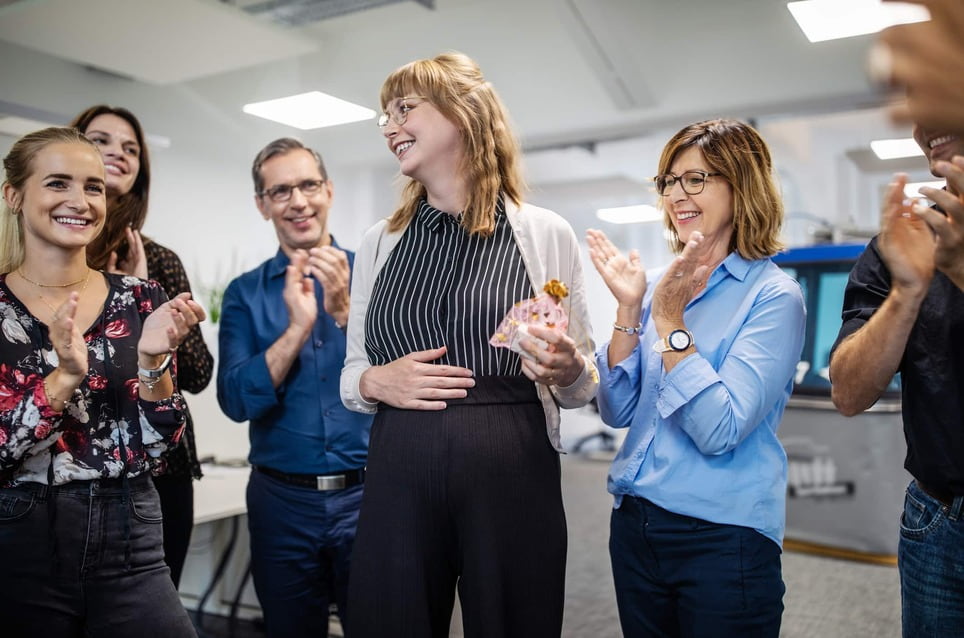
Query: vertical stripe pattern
(442,286)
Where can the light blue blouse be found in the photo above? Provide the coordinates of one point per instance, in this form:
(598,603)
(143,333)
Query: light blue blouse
(702,439)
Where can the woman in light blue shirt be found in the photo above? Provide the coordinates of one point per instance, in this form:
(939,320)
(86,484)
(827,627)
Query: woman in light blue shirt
(699,368)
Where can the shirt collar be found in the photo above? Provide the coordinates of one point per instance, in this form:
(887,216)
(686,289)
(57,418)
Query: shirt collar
(278,263)
(433,219)
(736,265)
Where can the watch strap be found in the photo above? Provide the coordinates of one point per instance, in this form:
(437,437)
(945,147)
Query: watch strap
(663,345)
(155,373)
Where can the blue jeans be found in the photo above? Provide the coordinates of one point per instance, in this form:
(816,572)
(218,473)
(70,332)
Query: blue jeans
(301,542)
(104,577)
(678,576)
(930,557)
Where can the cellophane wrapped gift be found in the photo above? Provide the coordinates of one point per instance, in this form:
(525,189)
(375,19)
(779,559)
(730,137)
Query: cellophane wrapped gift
(544,309)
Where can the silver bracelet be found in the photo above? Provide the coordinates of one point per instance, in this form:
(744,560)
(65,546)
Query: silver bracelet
(630,330)
(151,377)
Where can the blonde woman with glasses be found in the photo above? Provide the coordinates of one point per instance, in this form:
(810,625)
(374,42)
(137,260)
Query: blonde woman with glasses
(463,487)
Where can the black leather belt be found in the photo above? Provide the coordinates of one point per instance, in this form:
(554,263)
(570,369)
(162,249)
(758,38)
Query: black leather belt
(321,482)
(942,496)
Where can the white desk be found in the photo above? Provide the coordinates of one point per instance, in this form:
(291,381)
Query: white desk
(218,556)
(221,493)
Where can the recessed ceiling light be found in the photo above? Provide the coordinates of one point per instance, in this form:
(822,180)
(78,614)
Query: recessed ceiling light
(892,149)
(638,214)
(831,19)
(310,110)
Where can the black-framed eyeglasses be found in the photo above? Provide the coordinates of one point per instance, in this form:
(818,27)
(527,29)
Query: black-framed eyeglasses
(282,192)
(692,182)
(397,110)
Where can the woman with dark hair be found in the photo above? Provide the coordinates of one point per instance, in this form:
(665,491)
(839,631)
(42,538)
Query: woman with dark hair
(120,138)
(87,397)
(463,485)
(699,368)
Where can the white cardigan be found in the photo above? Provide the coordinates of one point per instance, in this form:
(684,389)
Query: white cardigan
(549,251)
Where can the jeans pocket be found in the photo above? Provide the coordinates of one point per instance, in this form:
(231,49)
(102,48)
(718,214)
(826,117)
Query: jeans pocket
(15,504)
(146,506)
(920,516)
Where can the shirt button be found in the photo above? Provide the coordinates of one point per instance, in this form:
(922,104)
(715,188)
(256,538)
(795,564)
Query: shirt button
(319,343)
(324,378)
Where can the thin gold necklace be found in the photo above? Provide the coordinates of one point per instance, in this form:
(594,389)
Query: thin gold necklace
(53,310)
(40,285)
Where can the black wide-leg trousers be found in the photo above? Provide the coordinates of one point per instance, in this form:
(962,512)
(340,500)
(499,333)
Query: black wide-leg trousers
(468,497)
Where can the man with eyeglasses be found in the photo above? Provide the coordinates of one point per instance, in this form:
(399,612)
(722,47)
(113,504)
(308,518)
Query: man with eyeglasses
(282,347)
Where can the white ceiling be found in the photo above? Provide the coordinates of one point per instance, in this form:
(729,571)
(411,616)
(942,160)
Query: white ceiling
(570,70)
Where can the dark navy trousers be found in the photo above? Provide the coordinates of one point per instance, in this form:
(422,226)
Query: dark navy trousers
(301,545)
(678,576)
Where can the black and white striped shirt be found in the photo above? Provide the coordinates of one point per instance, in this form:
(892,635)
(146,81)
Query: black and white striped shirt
(442,286)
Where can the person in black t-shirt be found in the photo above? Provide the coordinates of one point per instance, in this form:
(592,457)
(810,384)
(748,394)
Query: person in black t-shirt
(903,312)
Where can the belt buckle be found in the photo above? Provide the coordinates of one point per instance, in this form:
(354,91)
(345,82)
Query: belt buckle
(325,483)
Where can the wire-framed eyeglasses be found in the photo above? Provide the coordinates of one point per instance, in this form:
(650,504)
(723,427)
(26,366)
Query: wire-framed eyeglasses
(692,182)
(398,109)
(282,192)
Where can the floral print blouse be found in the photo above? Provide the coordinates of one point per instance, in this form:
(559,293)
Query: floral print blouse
(83,441)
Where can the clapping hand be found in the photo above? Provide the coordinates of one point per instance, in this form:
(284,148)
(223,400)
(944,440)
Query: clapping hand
(135,263)
(948,228)
(683,279)
(67,339)
(166,327)
(624,276)
(330,267)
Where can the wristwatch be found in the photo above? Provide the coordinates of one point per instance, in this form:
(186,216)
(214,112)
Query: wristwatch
(678,340)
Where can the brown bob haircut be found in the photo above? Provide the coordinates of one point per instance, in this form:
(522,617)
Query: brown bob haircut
(130,209)
(454,84)
(737,151)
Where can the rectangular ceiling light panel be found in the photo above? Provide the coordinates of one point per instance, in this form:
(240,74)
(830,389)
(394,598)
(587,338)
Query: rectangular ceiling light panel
(832,19)
(310,110)
(893,149)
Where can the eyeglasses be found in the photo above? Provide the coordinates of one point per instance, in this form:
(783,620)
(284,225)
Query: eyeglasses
(282,192)
(397,110)
(692,182)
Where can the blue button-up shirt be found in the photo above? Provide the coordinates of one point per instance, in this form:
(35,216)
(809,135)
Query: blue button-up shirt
(702,438)
(301,426)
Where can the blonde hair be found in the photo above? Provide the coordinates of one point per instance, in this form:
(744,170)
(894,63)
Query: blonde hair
(737,151)
(454,84)
(18,167)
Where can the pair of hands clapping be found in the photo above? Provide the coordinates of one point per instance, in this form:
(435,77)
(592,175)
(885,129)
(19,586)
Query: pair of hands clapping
(625,277)
(162,332)
(916,240)
(329,266)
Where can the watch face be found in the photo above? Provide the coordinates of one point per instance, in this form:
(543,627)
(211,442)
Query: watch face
(679,340)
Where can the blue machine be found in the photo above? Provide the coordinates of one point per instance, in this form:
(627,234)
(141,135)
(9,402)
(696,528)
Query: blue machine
(845,476)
